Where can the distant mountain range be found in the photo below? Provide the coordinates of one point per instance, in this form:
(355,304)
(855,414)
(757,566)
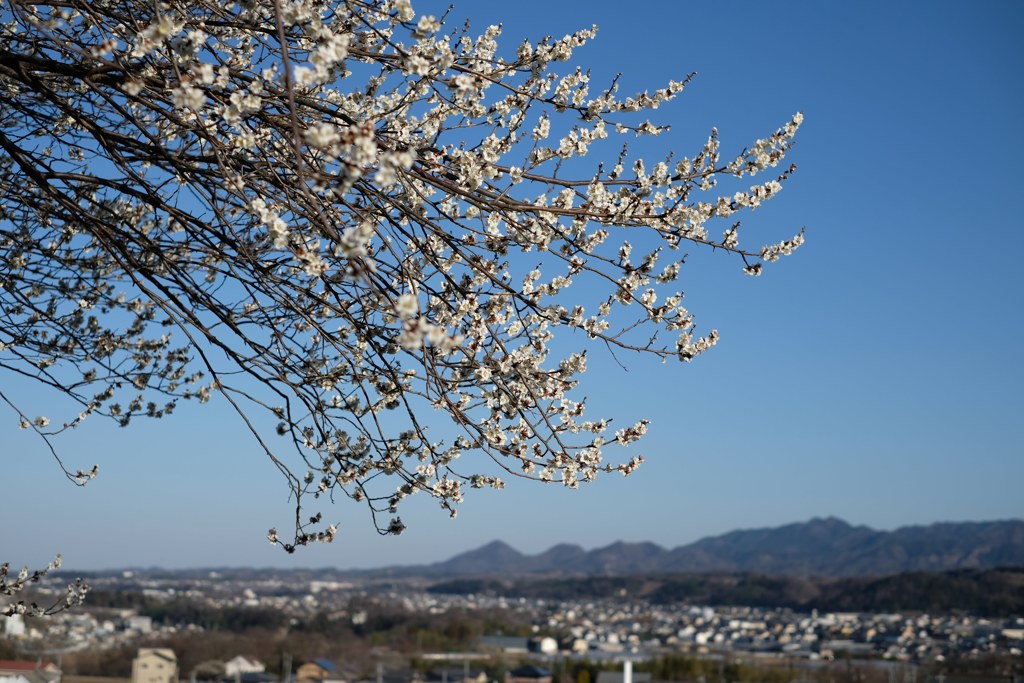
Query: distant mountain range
(821,547)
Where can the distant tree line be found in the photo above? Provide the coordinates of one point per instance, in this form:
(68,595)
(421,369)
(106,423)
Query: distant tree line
(380,632)
(984,592)
(183,611)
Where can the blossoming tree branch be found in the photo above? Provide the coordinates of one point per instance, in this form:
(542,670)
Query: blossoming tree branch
(385,243)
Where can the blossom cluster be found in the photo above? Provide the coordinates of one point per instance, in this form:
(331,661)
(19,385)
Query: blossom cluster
(380,234)
(74,595)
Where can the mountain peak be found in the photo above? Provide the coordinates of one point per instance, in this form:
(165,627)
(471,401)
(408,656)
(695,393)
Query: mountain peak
(830,521)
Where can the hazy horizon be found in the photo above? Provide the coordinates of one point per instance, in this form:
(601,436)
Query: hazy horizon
(535,550)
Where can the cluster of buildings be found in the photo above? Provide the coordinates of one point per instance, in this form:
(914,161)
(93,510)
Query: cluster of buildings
(160,665)
(615,629)
(593,629)
(84,629)
(638,628)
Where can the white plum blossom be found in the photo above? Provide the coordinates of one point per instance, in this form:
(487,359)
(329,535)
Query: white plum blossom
(159,30)
(322,135)
(543,128)
(187,96)
(406,306)
(240,105)
(427,24)
(404,10)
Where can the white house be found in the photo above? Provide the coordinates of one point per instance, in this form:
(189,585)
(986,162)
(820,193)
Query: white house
(243,665)
(140,623)
(545,645)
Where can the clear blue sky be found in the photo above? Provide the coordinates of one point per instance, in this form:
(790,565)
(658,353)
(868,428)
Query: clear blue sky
(876,375)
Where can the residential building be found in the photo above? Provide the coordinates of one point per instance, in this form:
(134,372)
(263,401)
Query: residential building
(528,674)
(243,665)
(319,671)
(24,671)
(155,665)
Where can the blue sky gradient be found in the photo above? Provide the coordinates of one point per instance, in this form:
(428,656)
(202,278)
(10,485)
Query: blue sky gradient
(875,375)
